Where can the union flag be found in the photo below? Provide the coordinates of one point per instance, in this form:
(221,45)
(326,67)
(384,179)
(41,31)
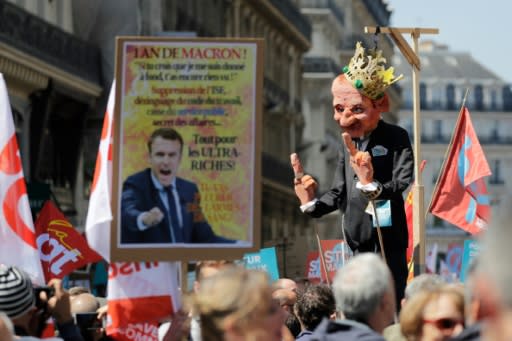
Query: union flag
(461,196)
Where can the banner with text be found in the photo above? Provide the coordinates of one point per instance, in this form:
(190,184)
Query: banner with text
(336,254)
(209,91)
(264,260)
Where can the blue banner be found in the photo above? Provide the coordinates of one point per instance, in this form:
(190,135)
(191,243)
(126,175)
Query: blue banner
(264,260)
(471,250)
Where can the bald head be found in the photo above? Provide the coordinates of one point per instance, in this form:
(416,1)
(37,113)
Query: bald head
(84,303)
(285,283)
(286,298)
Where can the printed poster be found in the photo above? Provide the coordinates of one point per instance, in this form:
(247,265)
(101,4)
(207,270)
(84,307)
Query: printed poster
(208,92)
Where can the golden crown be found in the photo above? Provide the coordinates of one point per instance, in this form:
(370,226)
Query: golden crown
(368,74)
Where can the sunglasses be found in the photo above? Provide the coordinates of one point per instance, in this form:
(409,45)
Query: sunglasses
(444,323)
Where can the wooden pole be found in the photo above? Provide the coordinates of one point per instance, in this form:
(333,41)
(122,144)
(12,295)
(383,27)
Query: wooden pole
(418,191)
(321,255)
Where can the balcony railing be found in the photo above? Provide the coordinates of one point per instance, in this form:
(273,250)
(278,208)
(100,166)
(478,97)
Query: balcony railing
(292,13)
(440,106)
(49,43)
(320,65)
(329,4)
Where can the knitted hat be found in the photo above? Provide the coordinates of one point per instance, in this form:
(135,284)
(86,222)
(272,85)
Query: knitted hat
(16,293)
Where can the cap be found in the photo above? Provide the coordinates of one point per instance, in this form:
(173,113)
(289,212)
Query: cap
(16,293)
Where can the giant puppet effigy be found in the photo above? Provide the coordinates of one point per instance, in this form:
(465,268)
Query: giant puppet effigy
(373,170)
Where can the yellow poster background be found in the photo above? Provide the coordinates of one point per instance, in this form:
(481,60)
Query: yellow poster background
(206,90)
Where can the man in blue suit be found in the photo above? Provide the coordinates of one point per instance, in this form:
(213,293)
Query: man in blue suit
(159,207)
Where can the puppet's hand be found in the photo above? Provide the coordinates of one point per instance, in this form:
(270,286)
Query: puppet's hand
(361,162)
(305,185)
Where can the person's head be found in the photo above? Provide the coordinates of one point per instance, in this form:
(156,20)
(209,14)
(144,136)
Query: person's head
(313,304)
(359,95)
(287,299)
(420,283)
(237,304)
(73,291)
(165,147)
(84,307)
(433,315)
(83,303)
(493,279)
(208,268)
(364,291)
(18,301)
(285,283)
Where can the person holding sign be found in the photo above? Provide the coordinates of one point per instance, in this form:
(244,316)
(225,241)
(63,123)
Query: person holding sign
(374,168)
(159,207)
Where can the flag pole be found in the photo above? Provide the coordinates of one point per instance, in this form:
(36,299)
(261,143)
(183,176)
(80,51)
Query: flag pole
(379,232)
(321,255)
(443,166)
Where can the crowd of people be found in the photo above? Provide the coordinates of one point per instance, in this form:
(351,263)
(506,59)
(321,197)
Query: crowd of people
(229,302)
(368,299)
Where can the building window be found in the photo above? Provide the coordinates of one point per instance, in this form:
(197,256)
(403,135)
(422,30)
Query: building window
(437,97)
(450,97)
(494,101)
(496,177)
(479,97)
(438,130)
(507,98)
(423,96)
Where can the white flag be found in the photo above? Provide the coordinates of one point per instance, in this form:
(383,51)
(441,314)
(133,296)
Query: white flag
(431,259)
(139,294)
(99,215)
(17,233)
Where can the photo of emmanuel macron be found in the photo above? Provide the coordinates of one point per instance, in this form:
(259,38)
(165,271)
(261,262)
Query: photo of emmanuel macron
(159,207)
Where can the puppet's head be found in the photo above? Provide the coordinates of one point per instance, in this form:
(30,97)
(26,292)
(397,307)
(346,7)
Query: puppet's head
(359,95)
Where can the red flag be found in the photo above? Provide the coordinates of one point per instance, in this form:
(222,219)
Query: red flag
(17,234)
(461,196)
(61,247)
(139,294)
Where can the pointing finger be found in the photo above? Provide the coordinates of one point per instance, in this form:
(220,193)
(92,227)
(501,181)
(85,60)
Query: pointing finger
(349,144)
(297,166)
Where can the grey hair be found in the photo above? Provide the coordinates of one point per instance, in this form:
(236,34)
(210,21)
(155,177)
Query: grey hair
(423,282)
(496,251)
(360,285)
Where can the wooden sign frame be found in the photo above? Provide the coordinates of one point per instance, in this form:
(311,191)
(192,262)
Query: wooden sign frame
(210,91)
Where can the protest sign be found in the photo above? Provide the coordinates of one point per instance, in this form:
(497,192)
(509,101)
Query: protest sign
(265,259)
(336,254)
(208,91)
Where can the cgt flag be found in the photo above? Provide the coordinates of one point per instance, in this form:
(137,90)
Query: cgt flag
(62,248)
(17,233)
(461,196)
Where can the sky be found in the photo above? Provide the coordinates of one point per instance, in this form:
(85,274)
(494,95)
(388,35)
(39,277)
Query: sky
(478,27)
